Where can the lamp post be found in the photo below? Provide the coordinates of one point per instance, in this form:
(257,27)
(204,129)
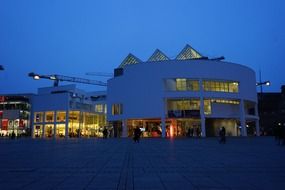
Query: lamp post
(260,99)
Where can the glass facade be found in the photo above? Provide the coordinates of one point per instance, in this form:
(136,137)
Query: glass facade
(60,116)
(181,108)
(181,84)
(49,116)
(49,130)
(221,86)
(38,117)
(80,124)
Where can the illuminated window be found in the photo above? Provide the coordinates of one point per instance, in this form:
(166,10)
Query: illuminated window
(221,86)
(183,104)
(74,116)
(60,130)
(60,116)
(49,117)
(99,108)
(182,84)
(117,109)
(38,130)
(38,117)
(49,130)
(224,101)
(207,107)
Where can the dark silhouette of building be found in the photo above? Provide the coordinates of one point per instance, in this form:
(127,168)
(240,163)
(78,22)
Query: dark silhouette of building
(271,107)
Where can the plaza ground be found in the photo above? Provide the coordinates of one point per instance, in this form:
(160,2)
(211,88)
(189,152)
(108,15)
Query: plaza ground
(241,163)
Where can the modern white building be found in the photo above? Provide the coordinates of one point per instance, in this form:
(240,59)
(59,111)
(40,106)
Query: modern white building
(65,111)
(188,95)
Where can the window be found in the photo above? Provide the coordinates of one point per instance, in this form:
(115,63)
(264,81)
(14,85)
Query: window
(207,107)
(38,117)
(99,108)
(49,117)
(60,116)
(117,109)
(221,86)
(183,104)
(181,84)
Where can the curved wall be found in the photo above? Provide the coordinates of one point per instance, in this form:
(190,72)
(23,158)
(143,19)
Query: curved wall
(141,88)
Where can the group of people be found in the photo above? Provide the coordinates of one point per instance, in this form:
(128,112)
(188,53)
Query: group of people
(194,132)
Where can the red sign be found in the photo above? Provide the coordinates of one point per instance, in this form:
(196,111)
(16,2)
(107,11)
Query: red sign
(21,124)
(2,98)
(4,124)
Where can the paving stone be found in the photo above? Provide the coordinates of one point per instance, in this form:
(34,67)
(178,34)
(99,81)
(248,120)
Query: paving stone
(242,163)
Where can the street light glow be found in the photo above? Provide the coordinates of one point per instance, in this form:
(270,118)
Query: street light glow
(36,77)
(52,78)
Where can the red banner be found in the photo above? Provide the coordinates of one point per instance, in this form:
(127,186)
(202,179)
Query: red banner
(4,124)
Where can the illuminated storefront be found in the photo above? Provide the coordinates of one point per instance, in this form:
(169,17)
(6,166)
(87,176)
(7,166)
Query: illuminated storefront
(190,95)
(15,115)
(68,112)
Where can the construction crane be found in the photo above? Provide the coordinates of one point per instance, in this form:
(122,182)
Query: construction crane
(56,78)
(101,74)
(1,68)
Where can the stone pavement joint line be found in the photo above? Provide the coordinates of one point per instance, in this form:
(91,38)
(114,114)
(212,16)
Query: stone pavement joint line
(185,163)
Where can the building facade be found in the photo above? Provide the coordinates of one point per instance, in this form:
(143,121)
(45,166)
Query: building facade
(15,114)
(271,110)
(190,95)
(66,111)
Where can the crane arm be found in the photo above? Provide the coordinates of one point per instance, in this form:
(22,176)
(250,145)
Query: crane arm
(56,78)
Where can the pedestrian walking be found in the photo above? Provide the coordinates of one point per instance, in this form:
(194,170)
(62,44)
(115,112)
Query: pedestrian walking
(105,133)
(222,134)
(137,134)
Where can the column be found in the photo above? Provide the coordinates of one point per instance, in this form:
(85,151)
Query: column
(124,128)
(164,110)
(242,118)
(202,116)
(44,125)
(44,130)
(257,121)
(54,125)
(202,112)
(66,124)
(163,135)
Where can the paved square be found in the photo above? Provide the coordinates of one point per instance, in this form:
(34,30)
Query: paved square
(242,163)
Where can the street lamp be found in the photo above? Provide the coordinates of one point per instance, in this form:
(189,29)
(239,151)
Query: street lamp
(265,83)
(260,98)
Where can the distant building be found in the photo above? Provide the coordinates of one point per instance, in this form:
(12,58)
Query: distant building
(66,111)
(188,95)
(15,114)
(271,110)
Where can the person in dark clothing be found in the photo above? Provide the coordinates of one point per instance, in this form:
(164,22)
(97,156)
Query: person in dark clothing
(137,134)
(222,134)
(105,133)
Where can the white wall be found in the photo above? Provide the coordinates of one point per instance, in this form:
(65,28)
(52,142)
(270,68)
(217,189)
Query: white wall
(141,88)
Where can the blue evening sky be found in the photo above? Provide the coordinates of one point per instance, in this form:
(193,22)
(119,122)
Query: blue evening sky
(72,37)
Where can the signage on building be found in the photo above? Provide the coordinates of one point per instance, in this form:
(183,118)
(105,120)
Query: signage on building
(4,124)
(2,98)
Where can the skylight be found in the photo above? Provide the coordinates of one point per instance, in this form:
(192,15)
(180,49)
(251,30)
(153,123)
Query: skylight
(158,56)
